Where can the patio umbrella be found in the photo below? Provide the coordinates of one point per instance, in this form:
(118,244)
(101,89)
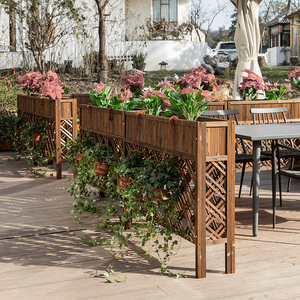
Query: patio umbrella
(247,39)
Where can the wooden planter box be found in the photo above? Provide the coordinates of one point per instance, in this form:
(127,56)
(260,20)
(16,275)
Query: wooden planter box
(59,115)
(245,117)
(206,156)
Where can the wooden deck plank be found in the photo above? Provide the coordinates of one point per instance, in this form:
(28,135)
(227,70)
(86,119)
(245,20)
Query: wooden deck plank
(48,259)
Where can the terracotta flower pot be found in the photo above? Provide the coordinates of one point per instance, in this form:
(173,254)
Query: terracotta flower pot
(17,129)
(124,182)
(78,155)
(37,137)
(101,169)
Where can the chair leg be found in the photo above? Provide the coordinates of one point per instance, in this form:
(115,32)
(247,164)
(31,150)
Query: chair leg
(279,178)
(242,179)
(251,185)
(290,178)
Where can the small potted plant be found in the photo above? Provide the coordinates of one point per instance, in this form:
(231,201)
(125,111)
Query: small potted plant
(161,181)
(19,122)
(37,130)
(103,157)
(130,166)
(138,60)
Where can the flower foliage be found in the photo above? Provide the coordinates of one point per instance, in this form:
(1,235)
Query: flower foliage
(198,77)
(295,76)
(134,82)
(251,84)
(47,85)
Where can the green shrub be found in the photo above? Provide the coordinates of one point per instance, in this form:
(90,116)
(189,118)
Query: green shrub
(8,95)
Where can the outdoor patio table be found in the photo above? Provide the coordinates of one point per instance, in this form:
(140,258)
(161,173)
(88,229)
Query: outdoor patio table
(257,133)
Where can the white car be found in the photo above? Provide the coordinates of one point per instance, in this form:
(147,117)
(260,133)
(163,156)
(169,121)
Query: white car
(226,48)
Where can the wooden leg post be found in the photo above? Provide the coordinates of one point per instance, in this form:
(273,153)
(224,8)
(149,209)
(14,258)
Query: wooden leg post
(58,139)
(230,201)
(201,203)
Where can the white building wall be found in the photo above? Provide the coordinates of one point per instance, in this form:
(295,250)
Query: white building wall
(275,57)
(180,55)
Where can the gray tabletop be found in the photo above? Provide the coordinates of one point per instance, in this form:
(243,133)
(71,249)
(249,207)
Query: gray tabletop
(268,131)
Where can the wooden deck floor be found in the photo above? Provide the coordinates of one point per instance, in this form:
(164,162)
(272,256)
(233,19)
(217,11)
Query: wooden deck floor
(42,255)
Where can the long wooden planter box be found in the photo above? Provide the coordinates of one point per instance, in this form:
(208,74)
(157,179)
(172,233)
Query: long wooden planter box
(60,115)
(205,152)
(245,117)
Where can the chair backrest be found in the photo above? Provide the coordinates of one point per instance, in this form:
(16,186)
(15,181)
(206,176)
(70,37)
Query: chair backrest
(268,115)
(222,114)
(226,114)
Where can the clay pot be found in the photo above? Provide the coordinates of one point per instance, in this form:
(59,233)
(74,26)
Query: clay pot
(124,182)
(37,137)
(78,155)
(17,129)
(101,169)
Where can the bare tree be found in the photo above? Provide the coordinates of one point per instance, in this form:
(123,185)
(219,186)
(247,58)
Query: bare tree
(44,24)
(203,15)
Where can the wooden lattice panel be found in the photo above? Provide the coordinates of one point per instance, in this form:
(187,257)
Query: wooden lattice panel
(216,200)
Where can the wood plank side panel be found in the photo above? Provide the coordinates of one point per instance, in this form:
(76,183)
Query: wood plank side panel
(230,201)
(245,117)
(201,203)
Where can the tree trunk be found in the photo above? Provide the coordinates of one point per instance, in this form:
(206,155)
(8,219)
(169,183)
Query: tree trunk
(103,65)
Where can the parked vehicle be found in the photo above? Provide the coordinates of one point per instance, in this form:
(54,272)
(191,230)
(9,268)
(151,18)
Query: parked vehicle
(226,48)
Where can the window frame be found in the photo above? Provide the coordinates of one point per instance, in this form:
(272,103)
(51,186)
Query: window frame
(167,3)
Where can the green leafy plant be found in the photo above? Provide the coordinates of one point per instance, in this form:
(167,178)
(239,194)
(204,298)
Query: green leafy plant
(189,103)
(100,94)
(277,92)
(139,57)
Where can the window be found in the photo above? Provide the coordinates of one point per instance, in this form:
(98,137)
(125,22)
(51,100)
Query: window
(165,9)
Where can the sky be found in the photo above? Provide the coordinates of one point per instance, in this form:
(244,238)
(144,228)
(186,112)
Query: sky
(224,17)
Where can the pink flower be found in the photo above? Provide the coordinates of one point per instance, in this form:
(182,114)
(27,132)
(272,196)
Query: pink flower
(276,84)
(206,94)
(52,90)
(197,77)
(125,95)
(187,91)
(98,87)
(288,86)
(133,80)
(166,83)
(154,93)
(294,74)
(117,92)
(167,102)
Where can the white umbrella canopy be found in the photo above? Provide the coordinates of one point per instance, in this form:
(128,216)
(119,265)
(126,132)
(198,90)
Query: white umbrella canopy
(247,40)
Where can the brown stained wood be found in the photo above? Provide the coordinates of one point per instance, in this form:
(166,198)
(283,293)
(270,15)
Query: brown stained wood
(230,201)
(200,204)
(58,141)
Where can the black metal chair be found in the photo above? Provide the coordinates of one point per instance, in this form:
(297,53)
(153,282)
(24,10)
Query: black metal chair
(276,115)
(240,157)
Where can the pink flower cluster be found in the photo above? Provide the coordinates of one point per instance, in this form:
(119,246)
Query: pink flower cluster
(252,81)
(189,90)
(198,77)
(123,95)
(167,84)
(133,80)
(47,85)
(154,93)
(294,74)
(98,87)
